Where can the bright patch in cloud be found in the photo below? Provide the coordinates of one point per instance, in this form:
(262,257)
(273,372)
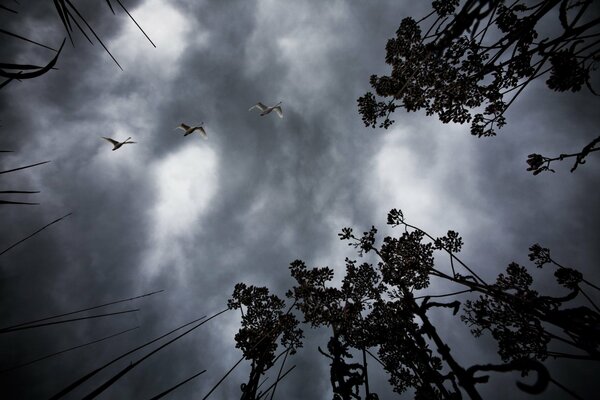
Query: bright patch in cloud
(433,186)
(186,182)
(167,28)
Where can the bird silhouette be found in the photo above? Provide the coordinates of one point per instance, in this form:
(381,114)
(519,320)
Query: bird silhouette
(266,110)
(116,144)
(190,129)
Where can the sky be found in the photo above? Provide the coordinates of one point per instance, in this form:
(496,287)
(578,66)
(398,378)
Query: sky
(193,217)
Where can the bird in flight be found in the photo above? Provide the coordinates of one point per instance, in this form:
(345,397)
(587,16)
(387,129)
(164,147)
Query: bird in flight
(264,110)
(117,144)
(190,129)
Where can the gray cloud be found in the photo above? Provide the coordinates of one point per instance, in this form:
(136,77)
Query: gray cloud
(259,193)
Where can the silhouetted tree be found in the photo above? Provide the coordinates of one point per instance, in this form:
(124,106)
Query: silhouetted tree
(341,310)
(522,321)
(473,61)
(516,315)
(386,306)
(263,322)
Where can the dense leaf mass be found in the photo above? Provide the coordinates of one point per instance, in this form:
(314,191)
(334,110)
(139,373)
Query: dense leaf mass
(403,349)
(472,62)
(516,315)
(408,261)
(263,322)
(509,313)
(384,308)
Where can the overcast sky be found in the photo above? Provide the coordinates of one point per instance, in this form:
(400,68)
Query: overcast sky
(194,217)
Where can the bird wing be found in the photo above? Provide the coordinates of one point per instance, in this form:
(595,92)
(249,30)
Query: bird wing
(202,132)
(114,142)
(183,126)
(278,111)
(260,106)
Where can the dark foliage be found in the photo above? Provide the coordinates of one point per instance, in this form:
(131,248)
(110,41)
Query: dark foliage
(473,61)
(376,307)
(263,322)
(339,309)
(539,163)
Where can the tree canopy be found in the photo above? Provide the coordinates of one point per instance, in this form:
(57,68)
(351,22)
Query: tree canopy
(385,308)
(469,64)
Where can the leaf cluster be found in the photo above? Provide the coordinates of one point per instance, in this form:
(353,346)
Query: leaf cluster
(263,321)
(376,307)
(473,61)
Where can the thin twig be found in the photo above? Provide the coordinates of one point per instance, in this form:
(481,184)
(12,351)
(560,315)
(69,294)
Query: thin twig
(276,382)
(18,203)
(223,378)
(376,359)
(557,354)
(569,391)
(36,232)
(445,295)
(94,33)
(131,366)
(84,378)
(66,350)
(21,328)
(82,310)
(28,75)
(279,373)
(161,395)
(589,299)
(135,22)
(20,168)
(25,39)
(8,9)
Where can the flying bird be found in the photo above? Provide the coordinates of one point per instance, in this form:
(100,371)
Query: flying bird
(190,129)
(266,110)
(117,144)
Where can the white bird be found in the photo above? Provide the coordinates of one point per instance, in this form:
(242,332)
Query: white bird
(117,144)
(190,129)
(266,110)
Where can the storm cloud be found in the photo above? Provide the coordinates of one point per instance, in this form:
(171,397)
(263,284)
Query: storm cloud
(194,217)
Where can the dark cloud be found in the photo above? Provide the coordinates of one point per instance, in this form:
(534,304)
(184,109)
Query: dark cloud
(195,217)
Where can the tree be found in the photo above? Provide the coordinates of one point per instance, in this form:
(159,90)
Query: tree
(522,321)
(386,307)
(375,307)
(262,324)
(341,311)
(472,62)
(515,314)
